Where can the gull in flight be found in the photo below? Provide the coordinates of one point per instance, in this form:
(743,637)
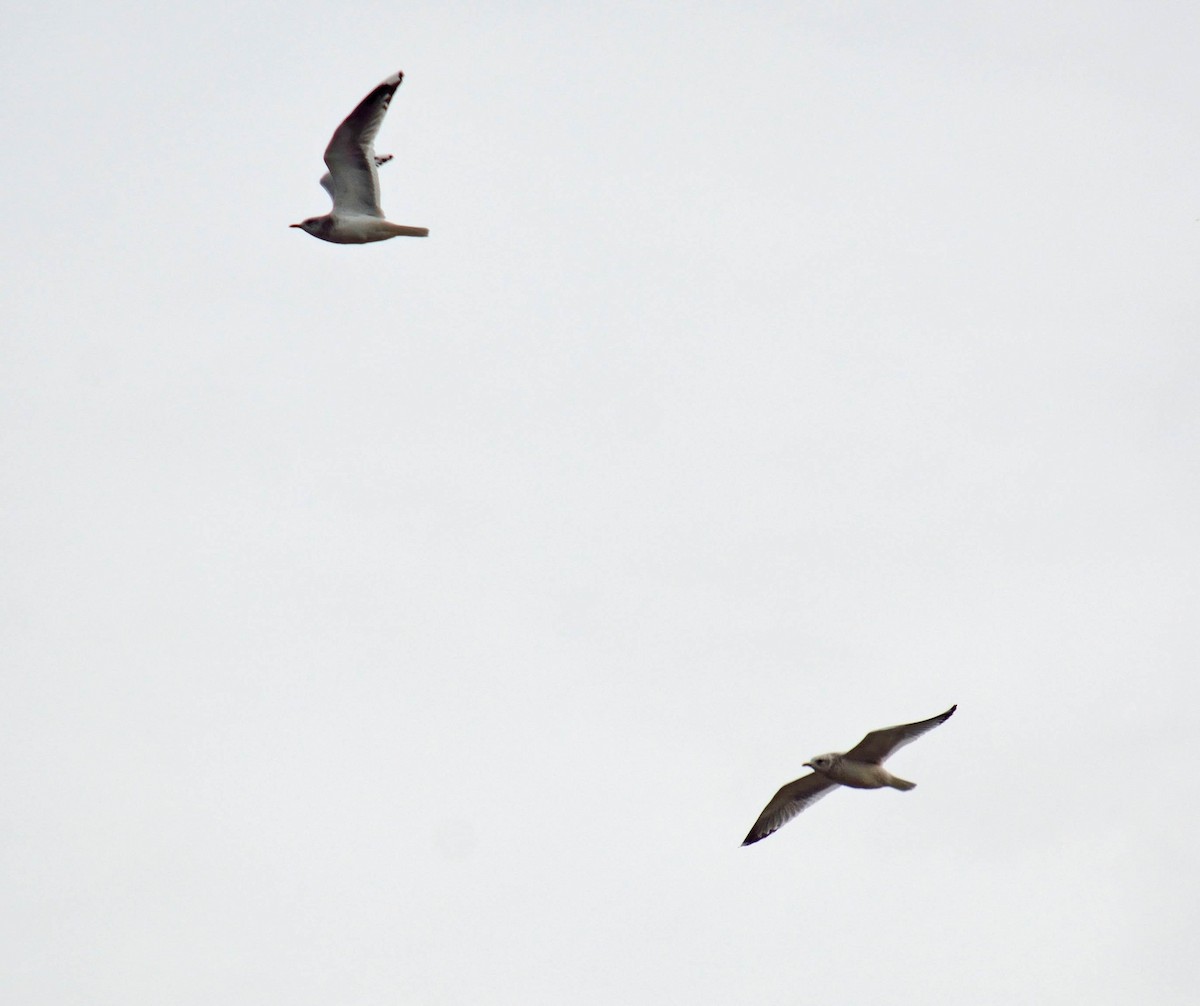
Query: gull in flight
(861,767)
(352,181)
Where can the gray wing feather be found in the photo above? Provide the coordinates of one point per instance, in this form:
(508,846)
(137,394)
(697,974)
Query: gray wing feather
(879,744)
(327,178)
(350,156)
(787,803)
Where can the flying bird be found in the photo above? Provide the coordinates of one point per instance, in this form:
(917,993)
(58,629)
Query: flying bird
(352,181)
(861,767)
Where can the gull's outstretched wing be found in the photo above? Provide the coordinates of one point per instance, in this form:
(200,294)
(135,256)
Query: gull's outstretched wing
(350,156)
(327,178)
(787,803)
(879,744)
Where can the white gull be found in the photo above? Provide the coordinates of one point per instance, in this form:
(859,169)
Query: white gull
(860,768)
(353,182)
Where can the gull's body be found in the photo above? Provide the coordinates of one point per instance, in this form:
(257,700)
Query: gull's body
(860,768)
(352,181)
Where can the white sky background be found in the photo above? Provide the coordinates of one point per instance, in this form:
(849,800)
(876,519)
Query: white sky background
(427,622)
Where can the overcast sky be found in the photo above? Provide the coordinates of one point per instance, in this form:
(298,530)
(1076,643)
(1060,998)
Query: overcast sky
(427,622)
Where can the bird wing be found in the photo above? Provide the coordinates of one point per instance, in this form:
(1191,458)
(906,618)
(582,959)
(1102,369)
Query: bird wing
(327,178)
(350,156)
(787,803)
(879,744)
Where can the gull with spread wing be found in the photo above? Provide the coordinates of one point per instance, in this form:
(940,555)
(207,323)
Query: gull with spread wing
(860,768)
(352,181)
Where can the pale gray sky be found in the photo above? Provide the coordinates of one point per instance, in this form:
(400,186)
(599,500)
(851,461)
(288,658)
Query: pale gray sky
(427,622)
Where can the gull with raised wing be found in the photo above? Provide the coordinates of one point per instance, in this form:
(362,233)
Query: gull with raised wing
(352,181)
(860,768)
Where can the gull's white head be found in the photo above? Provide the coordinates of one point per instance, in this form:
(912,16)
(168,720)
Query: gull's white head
(313,225)
(823,763)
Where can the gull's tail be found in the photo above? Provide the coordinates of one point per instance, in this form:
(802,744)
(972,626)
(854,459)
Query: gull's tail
(403,231)
(897,783)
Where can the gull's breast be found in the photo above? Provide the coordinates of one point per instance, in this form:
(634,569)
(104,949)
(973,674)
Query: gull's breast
(359,229)
(858,774)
